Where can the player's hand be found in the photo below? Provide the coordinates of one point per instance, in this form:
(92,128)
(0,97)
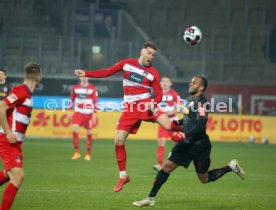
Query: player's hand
(79,73)
(177,136)
(12,138)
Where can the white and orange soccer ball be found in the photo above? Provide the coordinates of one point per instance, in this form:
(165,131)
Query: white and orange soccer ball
(192,35)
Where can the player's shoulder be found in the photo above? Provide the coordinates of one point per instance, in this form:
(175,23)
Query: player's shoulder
(22,88)
(129,61)
(90,86)
(174,92)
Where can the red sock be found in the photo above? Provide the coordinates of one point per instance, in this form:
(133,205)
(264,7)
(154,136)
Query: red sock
(76,141)
(3,178)
(8,196)
(89,141)
(121,156)
(160,154)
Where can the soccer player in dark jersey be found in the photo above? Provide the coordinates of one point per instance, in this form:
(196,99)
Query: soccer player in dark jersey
(4,86)
(193,145)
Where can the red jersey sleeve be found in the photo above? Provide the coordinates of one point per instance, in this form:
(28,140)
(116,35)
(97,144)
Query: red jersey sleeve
(95,99)
(72,98)
(16,96)
(157,88)
(106,72)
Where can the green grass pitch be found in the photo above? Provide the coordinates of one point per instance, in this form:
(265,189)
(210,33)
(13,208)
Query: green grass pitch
(54,182)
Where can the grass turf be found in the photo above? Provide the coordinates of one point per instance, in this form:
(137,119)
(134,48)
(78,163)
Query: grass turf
(54,182)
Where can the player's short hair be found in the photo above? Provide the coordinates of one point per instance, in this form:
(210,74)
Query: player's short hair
(204,82)
(150,45)
(32,70)
(4,71)
(166,77)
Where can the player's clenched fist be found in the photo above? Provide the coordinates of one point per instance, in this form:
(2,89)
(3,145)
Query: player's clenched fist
(79,73)
(177,136)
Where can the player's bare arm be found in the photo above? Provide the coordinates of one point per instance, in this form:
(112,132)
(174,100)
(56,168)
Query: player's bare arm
(4,122)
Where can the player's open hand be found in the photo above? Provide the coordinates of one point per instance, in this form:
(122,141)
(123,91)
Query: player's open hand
(79,73)
(12,138)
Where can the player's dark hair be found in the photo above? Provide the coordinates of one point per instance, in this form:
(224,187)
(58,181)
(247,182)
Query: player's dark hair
(204,82)
(150,45)
(3,70)
(32,70)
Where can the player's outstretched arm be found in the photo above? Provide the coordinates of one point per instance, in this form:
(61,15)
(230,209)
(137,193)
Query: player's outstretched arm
(102,72)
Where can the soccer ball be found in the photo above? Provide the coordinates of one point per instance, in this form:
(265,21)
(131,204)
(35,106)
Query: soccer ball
(192,35)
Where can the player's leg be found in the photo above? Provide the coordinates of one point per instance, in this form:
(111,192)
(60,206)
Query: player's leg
(164,121)
(89,141)
(160,153)
(16,176)
(3,177)
(121,157)
(160,179)
(76,140)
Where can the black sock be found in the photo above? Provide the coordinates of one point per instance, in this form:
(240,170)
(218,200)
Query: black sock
(160,179)
(215,174)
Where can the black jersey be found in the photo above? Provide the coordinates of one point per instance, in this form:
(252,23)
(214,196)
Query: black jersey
(195,119)
(4,90)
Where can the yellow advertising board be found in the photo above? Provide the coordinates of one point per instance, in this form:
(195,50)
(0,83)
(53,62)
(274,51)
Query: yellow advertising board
(220,127)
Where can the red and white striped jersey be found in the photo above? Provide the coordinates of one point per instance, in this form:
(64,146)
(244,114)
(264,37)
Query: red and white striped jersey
(170,100)
(85,99)
(138,80)
(20,105)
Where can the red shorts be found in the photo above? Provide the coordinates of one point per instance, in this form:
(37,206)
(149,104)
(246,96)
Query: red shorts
(133,114)
(163,133)
(83,120)
(10,154)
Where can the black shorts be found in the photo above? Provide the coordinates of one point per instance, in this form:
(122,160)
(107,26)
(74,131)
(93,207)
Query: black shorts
(182,154)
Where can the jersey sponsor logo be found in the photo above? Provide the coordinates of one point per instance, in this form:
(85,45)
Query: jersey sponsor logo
(12,98)
(202,111)
(136,78)
(136,70)
(5,89)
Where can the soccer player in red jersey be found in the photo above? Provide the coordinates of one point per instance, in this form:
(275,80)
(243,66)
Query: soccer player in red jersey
(139,78)
(85,98)
(170,102)
(15,113)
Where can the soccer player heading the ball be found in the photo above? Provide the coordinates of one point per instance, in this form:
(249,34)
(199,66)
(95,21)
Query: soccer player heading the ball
(194,145)
(139,77)
(15,113)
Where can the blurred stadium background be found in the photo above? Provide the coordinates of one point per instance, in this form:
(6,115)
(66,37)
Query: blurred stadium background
(237,55)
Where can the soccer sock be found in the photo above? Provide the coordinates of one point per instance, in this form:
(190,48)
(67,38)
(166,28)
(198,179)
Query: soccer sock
(160,179)
(121,157)
(8,196)
(3,178)
(217,173)
(160,154)
(76,141)
(89,140)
